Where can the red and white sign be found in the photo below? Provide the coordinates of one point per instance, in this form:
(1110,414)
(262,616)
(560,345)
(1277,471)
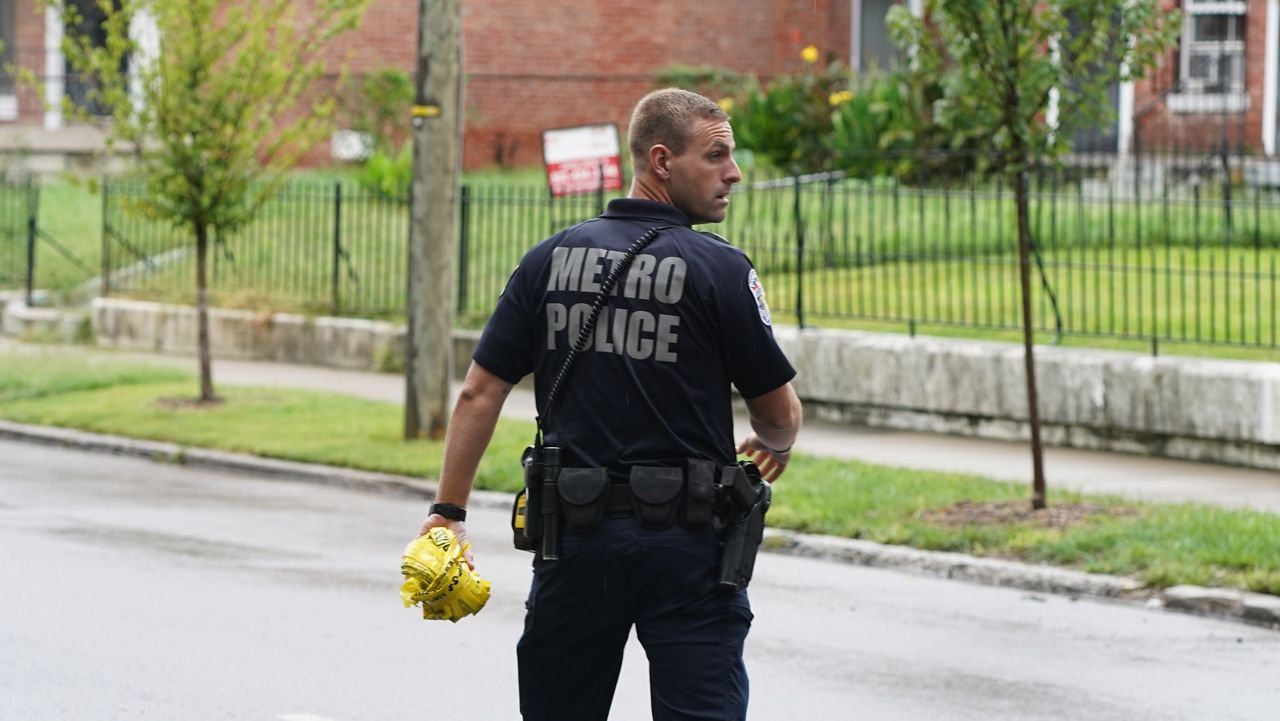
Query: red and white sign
(576,157)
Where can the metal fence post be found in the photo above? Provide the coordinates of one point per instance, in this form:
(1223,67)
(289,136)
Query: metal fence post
(464,229)
(1226,192)
(600,192)
(799,257)
(337,246)
(105,231)
(33,202)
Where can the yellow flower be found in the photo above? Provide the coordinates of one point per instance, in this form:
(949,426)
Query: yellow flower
(726,104)
(840,97)
(809,54)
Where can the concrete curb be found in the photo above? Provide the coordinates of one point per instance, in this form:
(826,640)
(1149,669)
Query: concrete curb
(1253,608)
(988,571)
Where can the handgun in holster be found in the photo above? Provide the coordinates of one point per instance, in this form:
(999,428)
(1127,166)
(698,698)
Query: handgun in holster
(742,500)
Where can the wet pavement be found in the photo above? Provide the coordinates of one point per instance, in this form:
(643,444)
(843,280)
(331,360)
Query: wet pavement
(143,590)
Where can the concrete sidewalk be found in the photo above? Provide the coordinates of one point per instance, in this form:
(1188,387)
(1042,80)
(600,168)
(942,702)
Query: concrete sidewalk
(1132,476)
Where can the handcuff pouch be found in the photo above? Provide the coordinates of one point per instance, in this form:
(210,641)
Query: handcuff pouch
(655,494)
(584,495)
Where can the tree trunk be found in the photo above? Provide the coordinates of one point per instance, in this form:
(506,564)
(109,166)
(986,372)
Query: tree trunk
(202,314)
(1038,500)
(433,227)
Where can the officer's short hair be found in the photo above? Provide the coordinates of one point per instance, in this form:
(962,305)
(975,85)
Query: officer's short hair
(666,117)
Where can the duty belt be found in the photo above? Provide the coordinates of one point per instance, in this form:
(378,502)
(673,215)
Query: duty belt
(619,498)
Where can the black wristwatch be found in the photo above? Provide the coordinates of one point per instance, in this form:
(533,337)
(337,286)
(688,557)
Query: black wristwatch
(448,510)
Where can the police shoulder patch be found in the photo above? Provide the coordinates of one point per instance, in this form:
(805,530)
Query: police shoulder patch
(757,291)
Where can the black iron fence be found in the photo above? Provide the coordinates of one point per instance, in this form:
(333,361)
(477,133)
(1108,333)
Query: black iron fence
(330,248)
(26,250)
(1163,248)
(1171,248)
(19,201)
(314,248)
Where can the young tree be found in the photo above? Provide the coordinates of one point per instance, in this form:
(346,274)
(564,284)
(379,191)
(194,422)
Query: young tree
(213,96)
(1004,65)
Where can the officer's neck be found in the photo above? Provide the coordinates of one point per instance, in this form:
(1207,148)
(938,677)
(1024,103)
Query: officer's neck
(644,187)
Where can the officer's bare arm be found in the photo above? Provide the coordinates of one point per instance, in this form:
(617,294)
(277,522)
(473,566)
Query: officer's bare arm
(776,416)
(474,417)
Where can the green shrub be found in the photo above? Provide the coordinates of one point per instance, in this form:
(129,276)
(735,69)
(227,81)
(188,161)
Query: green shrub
(382,103)
(789,119)
(388,175)
(824,117)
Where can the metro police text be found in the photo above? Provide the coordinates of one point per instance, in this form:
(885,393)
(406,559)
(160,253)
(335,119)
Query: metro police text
(640,334)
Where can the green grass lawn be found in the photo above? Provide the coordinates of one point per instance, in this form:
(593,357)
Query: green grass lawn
(1161,545)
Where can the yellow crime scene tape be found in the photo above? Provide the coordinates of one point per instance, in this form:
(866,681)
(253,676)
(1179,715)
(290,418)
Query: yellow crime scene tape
(438,579)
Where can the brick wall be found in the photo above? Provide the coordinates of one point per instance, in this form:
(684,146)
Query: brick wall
(1158,127)
(533,66)
(28,52)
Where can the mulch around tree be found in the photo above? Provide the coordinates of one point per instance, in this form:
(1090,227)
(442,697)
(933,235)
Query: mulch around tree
(1059,516)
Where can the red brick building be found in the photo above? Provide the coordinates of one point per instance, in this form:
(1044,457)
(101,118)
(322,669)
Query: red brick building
(1218,86)
(532,66)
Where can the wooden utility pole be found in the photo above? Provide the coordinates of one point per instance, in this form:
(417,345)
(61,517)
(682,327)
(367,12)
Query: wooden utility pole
(437,112)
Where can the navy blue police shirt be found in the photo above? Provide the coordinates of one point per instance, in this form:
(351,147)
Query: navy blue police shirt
(687,320)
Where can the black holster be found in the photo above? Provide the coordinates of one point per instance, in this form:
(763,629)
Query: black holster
(526,512)
(742,500)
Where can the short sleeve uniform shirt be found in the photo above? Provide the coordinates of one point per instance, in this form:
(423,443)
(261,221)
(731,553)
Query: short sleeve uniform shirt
(687,321)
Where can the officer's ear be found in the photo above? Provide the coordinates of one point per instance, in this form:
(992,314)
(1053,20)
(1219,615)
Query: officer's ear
(660,161)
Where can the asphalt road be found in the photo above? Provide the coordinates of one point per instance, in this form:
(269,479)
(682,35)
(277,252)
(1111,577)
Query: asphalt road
(140,590)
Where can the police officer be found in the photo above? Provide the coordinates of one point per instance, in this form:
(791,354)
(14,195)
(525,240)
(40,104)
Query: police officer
(652,388)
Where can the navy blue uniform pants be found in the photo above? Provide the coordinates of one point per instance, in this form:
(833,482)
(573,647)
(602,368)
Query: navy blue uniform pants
(582,607)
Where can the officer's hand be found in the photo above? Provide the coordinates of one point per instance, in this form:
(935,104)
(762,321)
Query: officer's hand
(771,463)
(459,529)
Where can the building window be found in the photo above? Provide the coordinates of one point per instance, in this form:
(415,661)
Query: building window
(6,47)
(873,50)
(1212,59)
(79,86)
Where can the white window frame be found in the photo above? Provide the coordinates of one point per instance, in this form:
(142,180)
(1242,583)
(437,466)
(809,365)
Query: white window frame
(1195,97)
(9,100)
(142,30)
(53,68)
(855,28)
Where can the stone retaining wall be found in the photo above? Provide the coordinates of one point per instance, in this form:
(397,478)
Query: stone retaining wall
(1197,409)
(21,321)
(247,335)
(1219,411)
